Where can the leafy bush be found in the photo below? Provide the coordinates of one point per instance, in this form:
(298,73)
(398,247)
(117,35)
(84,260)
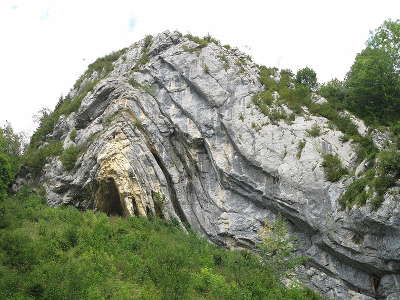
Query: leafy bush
(333,167)
(69,157)
(61,253)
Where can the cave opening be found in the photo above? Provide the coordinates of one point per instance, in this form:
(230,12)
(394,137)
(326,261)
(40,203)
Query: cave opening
(108,199)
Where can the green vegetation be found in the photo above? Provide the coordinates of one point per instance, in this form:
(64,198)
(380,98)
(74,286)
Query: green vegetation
(307,77)
(371,90)
(6,175)
(69,157)
(225,61)
(103,66)
(144,57)
(277,249)
(314,131)
(35,159)
(73,134)
(373,83)
(374,183)
(10,150)
(300,147)
(356,193)
(333,167)
(62,253)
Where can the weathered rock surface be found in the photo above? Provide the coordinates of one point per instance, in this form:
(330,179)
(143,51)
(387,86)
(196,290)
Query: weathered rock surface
(186,142)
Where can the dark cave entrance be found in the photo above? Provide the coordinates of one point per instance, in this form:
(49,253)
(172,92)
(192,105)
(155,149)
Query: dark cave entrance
(108,199)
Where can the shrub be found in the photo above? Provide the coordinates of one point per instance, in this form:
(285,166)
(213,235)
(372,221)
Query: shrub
(300,147)
(69,157)
(35,159)
(314,131)
(333,167)
(73,134)
(355,193)
(201,41)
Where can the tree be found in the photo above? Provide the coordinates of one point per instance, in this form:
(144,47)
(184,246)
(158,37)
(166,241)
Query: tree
(6,175)
(307,77)
(277,248)
(373,81)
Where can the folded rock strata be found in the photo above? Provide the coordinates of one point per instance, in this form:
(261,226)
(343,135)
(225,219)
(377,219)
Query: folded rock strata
(180,138)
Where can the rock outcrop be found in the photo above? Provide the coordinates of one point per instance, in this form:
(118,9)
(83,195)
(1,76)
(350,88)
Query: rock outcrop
(172,131)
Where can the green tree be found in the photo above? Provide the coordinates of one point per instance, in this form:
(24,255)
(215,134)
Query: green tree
(6,175)
(373,81)
(69,157)
(307,77)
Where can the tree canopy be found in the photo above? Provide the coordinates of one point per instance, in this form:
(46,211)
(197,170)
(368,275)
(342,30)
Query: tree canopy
(373,81)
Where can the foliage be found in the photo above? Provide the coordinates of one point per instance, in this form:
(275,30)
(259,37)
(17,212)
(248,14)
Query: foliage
(224,61)
(314,131)
(48,121)
(35,159)
(307,77)
(335,91)
(277,249)
(333,167)
(61,253)
(355,194)
(103,66)
(374,79)
(300,147)
(73,135)
(69,157)
(203,42)
(6,175)
(144,57)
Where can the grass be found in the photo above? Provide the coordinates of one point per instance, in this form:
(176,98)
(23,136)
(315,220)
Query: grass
(62,253)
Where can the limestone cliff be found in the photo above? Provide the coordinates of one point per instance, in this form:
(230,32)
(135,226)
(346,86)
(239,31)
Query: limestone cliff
(172,131)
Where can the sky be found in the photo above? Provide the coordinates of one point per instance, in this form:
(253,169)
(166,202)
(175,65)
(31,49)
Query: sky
(45,45)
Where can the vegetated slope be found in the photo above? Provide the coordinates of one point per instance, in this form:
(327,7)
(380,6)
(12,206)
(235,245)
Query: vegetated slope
(182,127)
(62,253)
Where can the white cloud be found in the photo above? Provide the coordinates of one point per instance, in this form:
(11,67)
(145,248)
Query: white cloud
(47,44)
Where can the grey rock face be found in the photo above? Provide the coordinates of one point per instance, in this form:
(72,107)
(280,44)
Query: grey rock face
(181,139)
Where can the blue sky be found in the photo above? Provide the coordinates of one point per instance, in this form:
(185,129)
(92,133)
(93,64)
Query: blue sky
(47,44)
